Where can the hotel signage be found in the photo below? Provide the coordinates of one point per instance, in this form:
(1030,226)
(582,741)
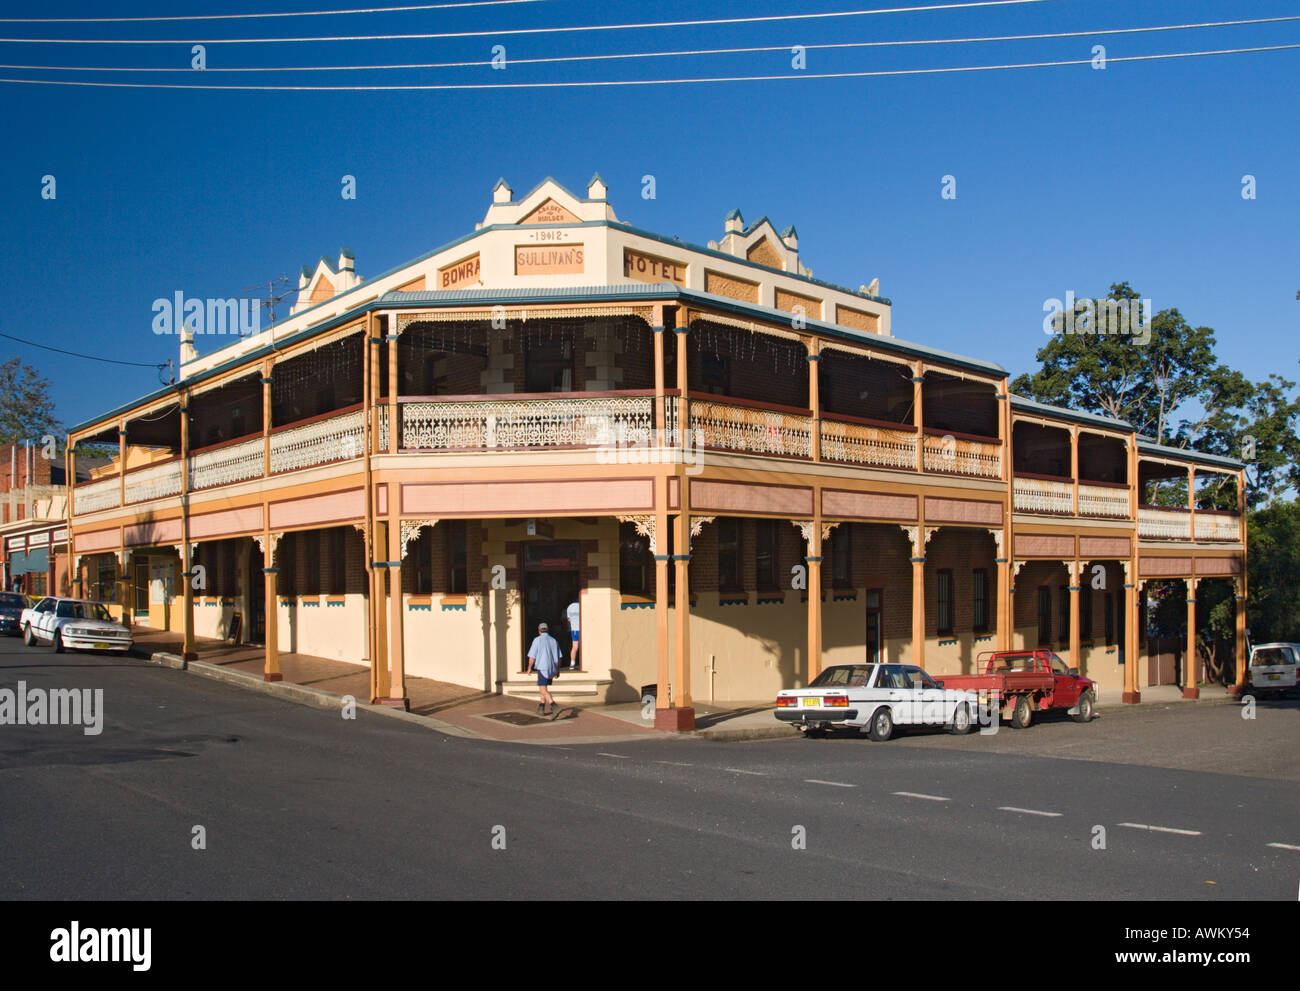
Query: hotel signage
(461,273)
(648,268)
(562,259)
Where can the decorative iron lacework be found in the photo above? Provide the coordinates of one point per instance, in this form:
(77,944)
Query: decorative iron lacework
(105,494)
(1041,495)
(156,482)
(528,423)
(225,465)
(857,444)
(383,429)
(963,457)
(1211,526)
(1096,500)
(339,438)
(756,431)
(1164,524)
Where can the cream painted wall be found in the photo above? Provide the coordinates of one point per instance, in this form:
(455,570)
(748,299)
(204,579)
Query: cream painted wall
(336,631)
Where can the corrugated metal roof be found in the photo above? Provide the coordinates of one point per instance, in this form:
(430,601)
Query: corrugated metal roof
(1065,413)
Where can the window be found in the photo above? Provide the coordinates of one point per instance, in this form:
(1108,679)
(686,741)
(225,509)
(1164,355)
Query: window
(1044,614)
(1109,600)
(286,559)
(338,561)
(633,561)
(842,556)
(765,555)
(229,570)
(715,371)
(1063,602)
(980,600)
(457,557)
(1085,613)
(311,554)
(548,367)
(945,596)
(729,555)
(422,557)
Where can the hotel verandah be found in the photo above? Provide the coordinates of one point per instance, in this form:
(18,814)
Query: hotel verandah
(412,471)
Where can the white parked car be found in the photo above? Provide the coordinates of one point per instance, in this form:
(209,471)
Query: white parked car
(73,624)
(876,697)
(1273,668)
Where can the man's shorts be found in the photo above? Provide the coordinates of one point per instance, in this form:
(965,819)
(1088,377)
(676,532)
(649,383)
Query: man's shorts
(574,634)
(543,680)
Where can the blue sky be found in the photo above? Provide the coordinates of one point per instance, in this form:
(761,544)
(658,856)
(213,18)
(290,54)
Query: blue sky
(1068,178)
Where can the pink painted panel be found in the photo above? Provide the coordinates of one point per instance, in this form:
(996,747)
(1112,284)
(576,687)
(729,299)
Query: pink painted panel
(868,505)
(227,522)
(962,511)
(1218,566)
(324,510)
(96,540)
(154,532)
(1117,547)
(381,500)
(1164,567)
(741,498)
(541,498)
(1043,545)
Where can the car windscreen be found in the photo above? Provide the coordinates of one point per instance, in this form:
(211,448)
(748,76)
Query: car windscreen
(82,610)
(10,601)
(844,676)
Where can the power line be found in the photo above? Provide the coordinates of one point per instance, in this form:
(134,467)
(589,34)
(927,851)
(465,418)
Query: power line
(571,84)
(244,17)
(523,31)
(665,54)
(88,357)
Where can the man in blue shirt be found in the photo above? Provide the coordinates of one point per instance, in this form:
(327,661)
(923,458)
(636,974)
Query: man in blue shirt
(544,657)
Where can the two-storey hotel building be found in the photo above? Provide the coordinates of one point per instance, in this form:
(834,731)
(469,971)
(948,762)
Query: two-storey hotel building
(737,471)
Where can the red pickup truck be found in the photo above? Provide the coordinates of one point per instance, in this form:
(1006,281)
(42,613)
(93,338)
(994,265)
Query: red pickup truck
(1022,682)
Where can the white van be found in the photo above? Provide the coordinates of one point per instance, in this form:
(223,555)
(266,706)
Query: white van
(1273,668)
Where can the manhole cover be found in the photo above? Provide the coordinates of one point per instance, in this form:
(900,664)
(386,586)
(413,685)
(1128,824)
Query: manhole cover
(517,718)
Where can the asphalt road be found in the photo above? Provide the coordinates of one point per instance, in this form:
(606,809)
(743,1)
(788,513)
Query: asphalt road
(296,802)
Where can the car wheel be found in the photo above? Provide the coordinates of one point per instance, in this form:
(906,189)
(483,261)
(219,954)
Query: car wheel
(28,637)
(57,642)
(882,724)
(960,721)
(1085,707)
(1023,714)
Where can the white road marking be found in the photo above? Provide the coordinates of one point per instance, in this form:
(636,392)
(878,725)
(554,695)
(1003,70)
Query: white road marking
(1284,846)
(615,756)
(928,798)
(737,770)
(674,763)
(1028,812)
(1162,829)
(833,784)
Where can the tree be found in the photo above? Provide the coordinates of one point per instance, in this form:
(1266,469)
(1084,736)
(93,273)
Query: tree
(26,409)
(1273,570)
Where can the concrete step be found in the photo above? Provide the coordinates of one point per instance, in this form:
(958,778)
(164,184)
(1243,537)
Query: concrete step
(569,685)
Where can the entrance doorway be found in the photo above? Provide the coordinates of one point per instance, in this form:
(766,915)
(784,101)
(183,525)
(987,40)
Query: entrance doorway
(875,626)
(551,582)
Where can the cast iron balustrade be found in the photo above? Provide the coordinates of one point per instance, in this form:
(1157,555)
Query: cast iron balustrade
(956,454)
(528,421)
(227,464)
(1164,523)
(752,428)
(1110,501)
(154,482)
(94,496)
(860,442)
(332,437)
(1039,494)
(1217,525)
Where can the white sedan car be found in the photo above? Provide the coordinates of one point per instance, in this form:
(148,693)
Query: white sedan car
(876,697)
(73,624)
(1273,668)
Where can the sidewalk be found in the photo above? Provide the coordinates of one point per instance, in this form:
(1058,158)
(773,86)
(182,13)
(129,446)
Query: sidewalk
(466,712)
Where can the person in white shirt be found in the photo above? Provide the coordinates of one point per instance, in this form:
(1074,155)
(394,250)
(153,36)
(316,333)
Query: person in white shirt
(574,613)
(544,656)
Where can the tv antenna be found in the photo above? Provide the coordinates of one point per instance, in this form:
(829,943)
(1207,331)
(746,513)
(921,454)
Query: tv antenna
(272,297)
